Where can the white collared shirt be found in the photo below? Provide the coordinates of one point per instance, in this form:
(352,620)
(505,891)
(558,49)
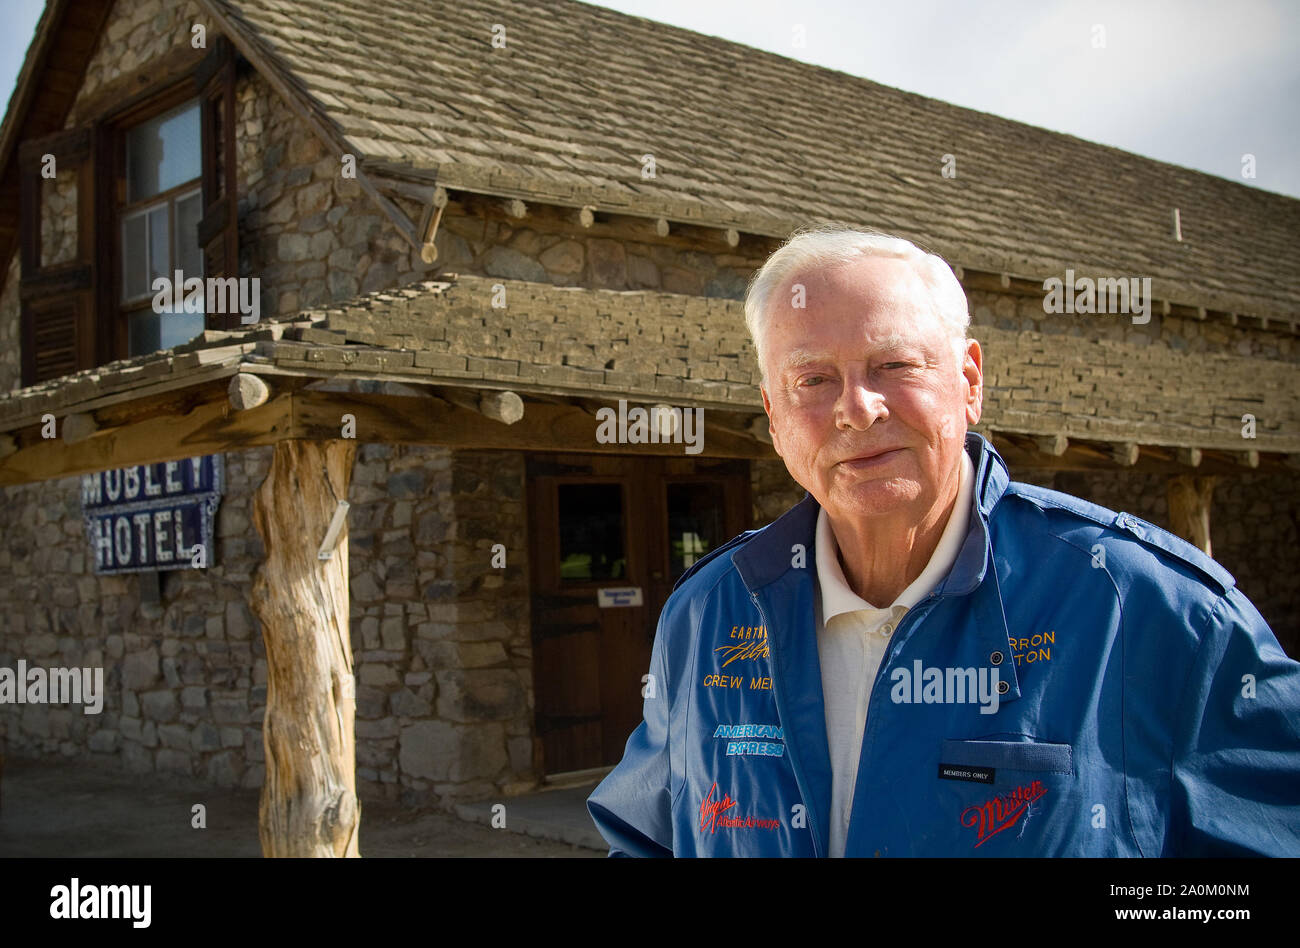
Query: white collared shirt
(852,636)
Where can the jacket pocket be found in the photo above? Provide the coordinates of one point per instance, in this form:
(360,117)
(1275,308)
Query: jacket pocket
(1030,756)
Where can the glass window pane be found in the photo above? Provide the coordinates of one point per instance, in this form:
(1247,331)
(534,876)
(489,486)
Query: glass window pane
(178,328)
(163,152)
(189,259)
(591,532)
(143,332)
(695,523)
(135,258)
(159,258)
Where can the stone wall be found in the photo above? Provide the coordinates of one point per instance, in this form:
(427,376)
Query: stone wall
(549,245)
(184,678)
(441,637)
(59,219)
(11,374)
(772,490)
(305,230)
(1254,532)
(138,32)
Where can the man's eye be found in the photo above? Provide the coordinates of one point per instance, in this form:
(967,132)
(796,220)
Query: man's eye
(900,365)
(812,380)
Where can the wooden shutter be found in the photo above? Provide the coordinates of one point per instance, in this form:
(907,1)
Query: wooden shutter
(219,228)
(58,300)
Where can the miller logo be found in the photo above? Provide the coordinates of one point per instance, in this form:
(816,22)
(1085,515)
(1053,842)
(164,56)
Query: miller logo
(1002,812)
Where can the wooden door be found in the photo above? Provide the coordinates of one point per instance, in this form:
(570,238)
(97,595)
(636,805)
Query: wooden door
(609,536)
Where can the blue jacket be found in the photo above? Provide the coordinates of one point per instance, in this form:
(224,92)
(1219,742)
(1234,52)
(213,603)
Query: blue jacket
(1146,708)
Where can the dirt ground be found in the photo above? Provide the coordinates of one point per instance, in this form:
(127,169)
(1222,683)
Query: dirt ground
(60,808)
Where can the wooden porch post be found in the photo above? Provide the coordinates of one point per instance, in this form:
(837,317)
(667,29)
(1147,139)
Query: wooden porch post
(309,802)
(1189,509)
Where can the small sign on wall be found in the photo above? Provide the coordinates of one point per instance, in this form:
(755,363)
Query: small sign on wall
(619,597)
(153,516)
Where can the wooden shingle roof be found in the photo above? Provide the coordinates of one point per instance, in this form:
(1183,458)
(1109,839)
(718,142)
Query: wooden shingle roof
(649,346)
(566,110)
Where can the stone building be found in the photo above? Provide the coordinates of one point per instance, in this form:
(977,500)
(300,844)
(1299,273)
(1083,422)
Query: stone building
(457,210)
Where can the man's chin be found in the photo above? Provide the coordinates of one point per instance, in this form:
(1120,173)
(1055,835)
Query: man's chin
(871,498)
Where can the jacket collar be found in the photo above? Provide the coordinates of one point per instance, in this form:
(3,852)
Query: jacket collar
(777,567)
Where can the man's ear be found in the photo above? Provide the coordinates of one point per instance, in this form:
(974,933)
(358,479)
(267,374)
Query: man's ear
(973,370)
(771,428)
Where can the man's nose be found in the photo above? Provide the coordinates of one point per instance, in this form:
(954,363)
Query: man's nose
(859,405)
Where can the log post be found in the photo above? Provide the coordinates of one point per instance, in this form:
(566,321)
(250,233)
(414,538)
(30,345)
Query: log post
(309,803)
(1189,509)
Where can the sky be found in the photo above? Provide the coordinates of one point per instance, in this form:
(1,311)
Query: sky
(1197,83)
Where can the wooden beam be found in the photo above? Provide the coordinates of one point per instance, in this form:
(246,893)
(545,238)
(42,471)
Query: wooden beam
(545,427)
(428,249)
(1189,509)
(1192,457)
(1248,458)
(209,428)
(309,803)
(1022,454)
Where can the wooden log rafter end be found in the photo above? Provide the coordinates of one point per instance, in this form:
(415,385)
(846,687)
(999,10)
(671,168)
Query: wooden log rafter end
(1055,445)
(1125,453)
(79,426)
(247,391)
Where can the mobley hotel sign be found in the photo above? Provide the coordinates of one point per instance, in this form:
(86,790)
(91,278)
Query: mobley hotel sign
(153,516)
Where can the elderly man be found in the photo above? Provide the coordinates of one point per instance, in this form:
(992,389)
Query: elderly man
(924,658)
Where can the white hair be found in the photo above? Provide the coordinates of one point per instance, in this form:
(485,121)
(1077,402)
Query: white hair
(825,247)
